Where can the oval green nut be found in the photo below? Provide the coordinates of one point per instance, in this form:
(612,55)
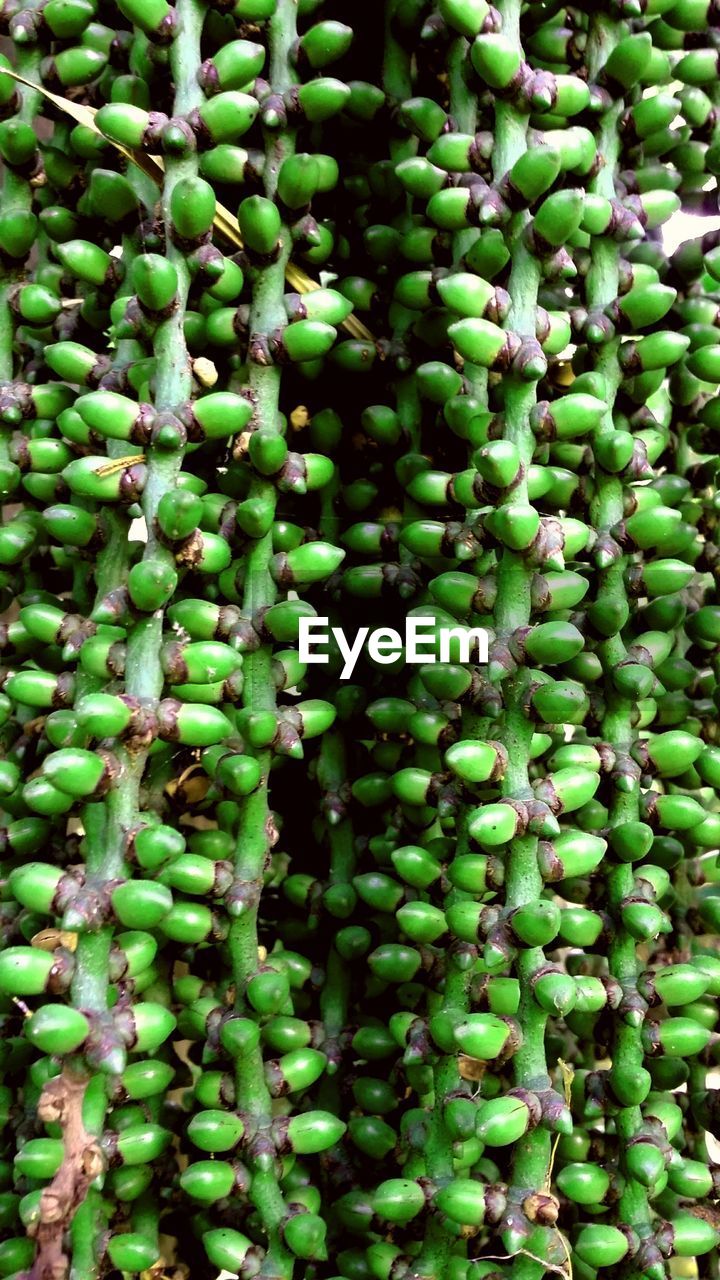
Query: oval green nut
(398,1200)
(502,1121)
(314,1131)
(600,1245)
(57,1029)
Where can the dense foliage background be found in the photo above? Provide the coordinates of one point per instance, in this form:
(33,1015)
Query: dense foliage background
(358,313)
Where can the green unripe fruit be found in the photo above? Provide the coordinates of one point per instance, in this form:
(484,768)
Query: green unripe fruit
(307,340)
(25,971)
(85,260)
(308,563)
(226,1248)
(536,923)
(70,525)
(398,1200)
(692,1235)
(421,922)
(154,280)
(682,1037)
(502,1121)
(57,1029)
(600,1245)
(464,16)
(260,224)
(132,1252)
(146,1079)
(496,60)
(555,992)
(305,1235)
(482,1035)
(416,866)
(629,59)
(152,17)
(478,340)
(142,1143)
(372,1136)
(551,643)
(18,230)
(192,208)
(677,984)
(689,1178)
(68,20)
(558,217)
(493,825)
(179,513)
(392,962)
(474,762)
(234,65)
(37,305)
(141,904)
(152,1025)
(16,1254)
(208,1180)
(583,1183)
(325,43)
(78,773)
(314,1131)
(123,123)
(215,1131)
(227,116)
(39,1158)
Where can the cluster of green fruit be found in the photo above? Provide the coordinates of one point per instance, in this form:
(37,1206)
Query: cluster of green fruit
(411,976)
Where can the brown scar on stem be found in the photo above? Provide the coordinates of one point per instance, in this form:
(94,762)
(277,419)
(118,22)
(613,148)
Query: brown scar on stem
(61,1102)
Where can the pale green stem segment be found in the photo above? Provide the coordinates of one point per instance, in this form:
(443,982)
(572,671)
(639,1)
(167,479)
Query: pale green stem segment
(144,676)
(108,825)
(439,1244)
(606,510)
(523,882)
(255,826)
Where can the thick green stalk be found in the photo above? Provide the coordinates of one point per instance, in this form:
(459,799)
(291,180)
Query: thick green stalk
(523,882)
(255,826)
(606,510)
(107,825)
(438,1242)
(144,676)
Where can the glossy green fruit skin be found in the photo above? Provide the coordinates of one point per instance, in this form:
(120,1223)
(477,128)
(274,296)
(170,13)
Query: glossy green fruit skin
(502,1121)
(57,1029)
(583,1183)
(215,1131)
(207,1180)
(24,971)
(398,1200)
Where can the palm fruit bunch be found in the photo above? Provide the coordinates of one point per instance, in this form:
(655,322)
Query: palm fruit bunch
(402,967)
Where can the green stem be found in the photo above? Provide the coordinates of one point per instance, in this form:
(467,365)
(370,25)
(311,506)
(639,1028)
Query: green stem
(108,825)
(523,882)
(254,840)
(144,676)
(439,1244)
(605,511)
